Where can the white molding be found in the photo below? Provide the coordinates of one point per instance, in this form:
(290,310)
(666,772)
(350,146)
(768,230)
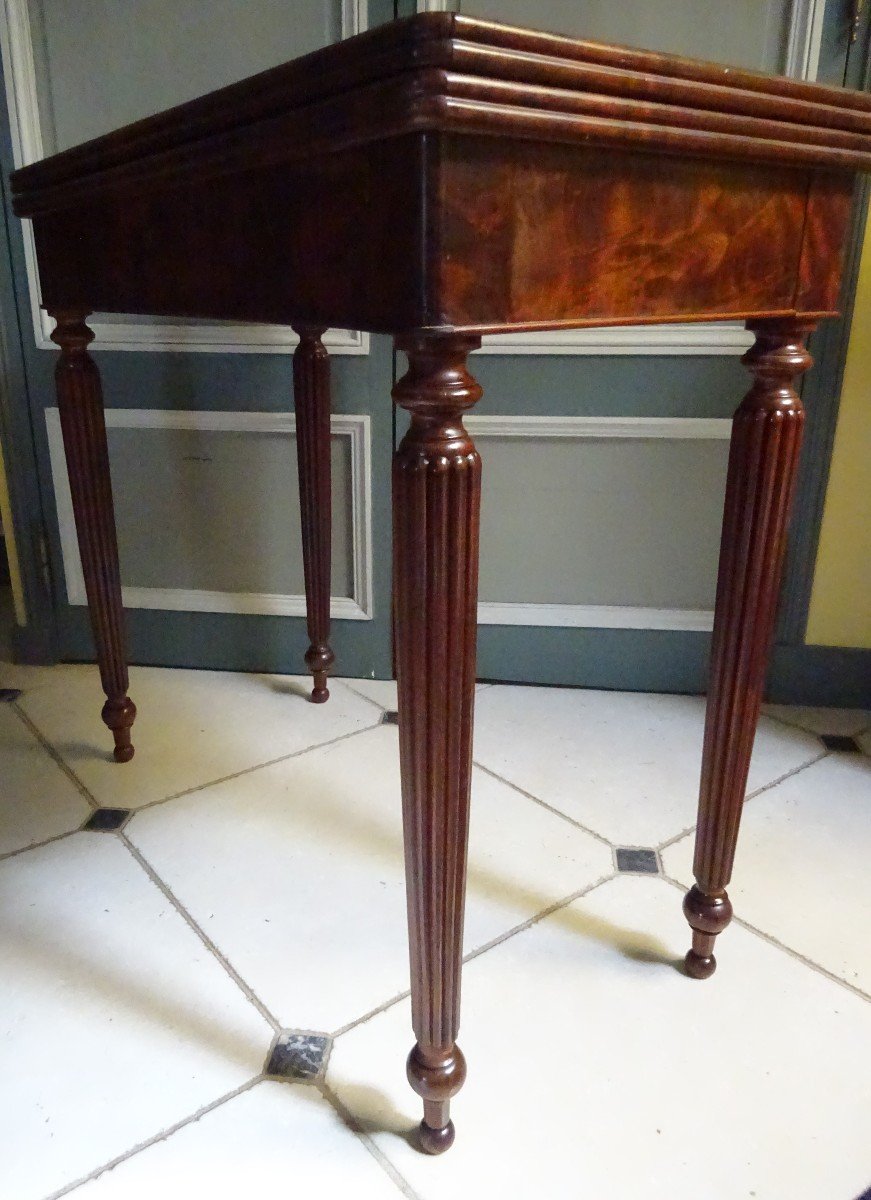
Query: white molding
(597,616)
(207,338)
(19,71)
(805,38)
(685,338)
(355,427)
(700,428)
(432,6)
(355,17)
(27,146)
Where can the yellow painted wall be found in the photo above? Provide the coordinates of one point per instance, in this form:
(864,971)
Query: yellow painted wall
(840,609)
(11,552)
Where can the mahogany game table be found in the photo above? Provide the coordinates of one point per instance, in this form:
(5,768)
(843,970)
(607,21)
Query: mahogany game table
(437,179)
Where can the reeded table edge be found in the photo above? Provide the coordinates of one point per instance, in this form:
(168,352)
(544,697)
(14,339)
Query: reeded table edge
(443,72)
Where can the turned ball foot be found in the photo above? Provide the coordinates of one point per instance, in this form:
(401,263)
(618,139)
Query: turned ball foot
(707,916)
(699,966)
(436,1074)
(436,1141)
(119,715)
(319,658)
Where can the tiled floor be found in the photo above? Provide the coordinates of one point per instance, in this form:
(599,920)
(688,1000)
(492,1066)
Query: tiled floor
(244,906)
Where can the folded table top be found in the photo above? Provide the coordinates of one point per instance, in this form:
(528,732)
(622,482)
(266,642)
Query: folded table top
(444,173)
(443,71)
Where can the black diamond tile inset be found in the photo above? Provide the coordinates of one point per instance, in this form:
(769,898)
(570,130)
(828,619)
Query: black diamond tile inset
(7,695)
(390,718)
(299,1055)
(637,862)
(837,741)
(106,820)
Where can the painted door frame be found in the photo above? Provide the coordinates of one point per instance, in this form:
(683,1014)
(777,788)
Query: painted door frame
(34,634)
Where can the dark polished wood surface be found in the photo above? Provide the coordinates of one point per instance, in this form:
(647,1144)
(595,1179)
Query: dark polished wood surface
(311,395)
(435,179)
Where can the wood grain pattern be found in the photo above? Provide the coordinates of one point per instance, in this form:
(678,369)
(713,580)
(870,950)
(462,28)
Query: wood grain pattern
(593,234)
(827,220)
(311,394)
(436,505)
(763,459)
(436,179)
(80,403)
(468,233)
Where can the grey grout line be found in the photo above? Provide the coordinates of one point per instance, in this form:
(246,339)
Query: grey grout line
(671,841)
(362,695)
(540,916)
(479,950)
(54,755)
(355,1126)
(95,804)
(158,1137)
(349,683)
(201,787)
(373,1012)
(244,987)
(57,837)
(824,753)
(543,803)
(773,941)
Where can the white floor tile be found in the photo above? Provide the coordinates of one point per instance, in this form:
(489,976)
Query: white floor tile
(296,872)
(115,1021)
(37,800)
(844,721)
(192,727)
(625,765)
(275,1140)
(380,691)
(598,1069)
(20,675)
(383,691)
(801,868)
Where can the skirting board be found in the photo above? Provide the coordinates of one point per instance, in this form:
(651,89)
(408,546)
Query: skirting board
(822,676)
(666,661)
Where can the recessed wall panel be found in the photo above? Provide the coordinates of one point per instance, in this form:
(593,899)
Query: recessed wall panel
(218,510)
(601,521)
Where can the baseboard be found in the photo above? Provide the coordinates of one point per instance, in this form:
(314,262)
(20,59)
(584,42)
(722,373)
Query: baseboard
(32,646)
(820,676)
(612,659)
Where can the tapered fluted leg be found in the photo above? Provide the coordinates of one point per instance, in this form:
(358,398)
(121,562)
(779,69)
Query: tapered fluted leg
(80,403)
(436,502)
(311,388)
(766,438)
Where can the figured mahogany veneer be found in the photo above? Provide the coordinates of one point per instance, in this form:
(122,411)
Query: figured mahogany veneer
(436,179)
